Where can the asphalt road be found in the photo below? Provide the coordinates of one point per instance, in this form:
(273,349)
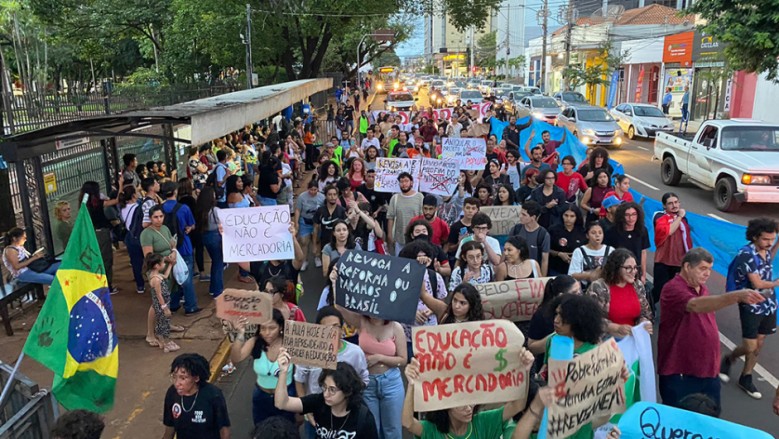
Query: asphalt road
(645,177)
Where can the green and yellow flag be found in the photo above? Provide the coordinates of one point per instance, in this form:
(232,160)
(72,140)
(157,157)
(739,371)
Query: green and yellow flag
(75,333)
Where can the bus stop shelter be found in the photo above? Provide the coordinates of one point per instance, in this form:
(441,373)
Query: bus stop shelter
(51,164)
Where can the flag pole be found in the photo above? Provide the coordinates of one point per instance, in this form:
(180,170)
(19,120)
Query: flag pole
(9,384)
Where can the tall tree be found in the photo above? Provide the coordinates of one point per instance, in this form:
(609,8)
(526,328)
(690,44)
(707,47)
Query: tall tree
(486,49)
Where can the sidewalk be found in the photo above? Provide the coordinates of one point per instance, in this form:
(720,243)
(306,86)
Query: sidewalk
(143,370)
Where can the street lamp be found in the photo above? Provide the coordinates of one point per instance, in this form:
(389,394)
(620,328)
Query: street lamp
(379,35)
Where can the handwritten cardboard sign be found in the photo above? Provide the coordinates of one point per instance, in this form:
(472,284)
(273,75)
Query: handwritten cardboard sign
(256,234)
(439,177)
(516,300)
(256,306)
(380,286)
(312,345)
(589,388)
(504,218)
(388,169)
(468,363)
(470,153)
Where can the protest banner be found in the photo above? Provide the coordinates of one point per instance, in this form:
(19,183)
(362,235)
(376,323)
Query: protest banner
(256,306)
(516,300)
(388,169)
(312,345)
(504,218)
(256,234)
(443,113)
(468,363)
(405,116)
(587,389)
(652,420)
(380,286)
(439,177)
(470,153)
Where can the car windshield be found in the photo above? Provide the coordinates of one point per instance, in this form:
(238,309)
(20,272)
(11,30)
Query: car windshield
(595,115)
(573,97)
(470,94)
(401,97)
(648,111)
(738,138)
(454,90)
(544,103)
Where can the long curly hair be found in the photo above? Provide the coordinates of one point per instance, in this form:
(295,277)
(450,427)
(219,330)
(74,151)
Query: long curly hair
(471,294)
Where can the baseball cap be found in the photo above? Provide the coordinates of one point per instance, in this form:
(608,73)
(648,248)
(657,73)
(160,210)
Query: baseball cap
(610,202)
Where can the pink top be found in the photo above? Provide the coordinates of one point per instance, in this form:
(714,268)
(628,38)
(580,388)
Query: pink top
(372,346)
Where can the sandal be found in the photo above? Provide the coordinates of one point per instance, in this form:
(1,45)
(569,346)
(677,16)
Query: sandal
(171,347)
(177,328)
(152,342)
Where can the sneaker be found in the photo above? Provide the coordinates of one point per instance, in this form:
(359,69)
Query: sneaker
(318,262)
(304,266)
(114,290)
(140,291)
(228,368)
(745,382)
(205,278)
(196,274)
(724,369)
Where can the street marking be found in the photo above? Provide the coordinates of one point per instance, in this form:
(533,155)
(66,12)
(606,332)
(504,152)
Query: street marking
(641,147)
(717,217)
(760,370)
(642,182)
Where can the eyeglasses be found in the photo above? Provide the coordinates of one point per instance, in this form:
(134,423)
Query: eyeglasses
(481,228)
(630,268)
(332,390)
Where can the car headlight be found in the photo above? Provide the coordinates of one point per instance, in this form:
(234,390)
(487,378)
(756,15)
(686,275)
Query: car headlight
(588,132)
(618,132)
(755,179)
(618,140)
(538,115)
(438,100)
(380,86)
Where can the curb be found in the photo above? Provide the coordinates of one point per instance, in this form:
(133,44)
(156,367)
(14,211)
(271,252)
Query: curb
(219,359)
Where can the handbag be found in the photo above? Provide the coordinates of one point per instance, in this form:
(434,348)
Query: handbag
(40,265)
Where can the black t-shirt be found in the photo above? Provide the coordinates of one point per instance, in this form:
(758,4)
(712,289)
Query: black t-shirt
(349,112)
(261,271)
(634,241)
(358,424)
(377,199)
(199,416)
(457,229)
(361,235)
(268,176)
(325,219)
(562,240)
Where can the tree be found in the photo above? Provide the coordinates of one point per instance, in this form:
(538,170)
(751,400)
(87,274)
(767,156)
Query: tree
(748,28)
(486,48)
(464,13)
(517,65)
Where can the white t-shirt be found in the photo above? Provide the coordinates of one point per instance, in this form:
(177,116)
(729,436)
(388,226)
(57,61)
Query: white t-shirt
(366,142)
(492,242)
(577,258)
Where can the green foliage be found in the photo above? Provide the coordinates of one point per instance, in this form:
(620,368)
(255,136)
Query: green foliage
(465,13)
(486,49)
(748,28)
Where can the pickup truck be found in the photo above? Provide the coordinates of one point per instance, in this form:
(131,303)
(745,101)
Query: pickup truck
(738,159)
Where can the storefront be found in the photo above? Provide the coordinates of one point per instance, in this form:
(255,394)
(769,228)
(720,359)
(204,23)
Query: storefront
(711,86)
(642,69)
(677,70)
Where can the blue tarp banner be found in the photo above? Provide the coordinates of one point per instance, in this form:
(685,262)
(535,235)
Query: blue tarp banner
(571,146)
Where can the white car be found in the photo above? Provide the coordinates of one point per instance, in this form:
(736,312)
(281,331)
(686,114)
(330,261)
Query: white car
(399,101)
(474,96)
(642,120)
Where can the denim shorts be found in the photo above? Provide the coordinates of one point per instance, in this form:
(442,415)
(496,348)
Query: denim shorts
(304,229)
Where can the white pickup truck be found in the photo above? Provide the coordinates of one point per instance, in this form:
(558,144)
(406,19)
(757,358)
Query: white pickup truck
(738,159)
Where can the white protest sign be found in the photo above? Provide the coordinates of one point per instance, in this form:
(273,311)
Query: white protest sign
(516,300)
(256,234)
(388,169)
(470,153)
(439,177)
(504,218)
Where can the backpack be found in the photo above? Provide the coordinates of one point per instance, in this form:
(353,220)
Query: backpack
(171,221)
(588,262)
(219,190)
(431,274)
(730,280)
(135,227)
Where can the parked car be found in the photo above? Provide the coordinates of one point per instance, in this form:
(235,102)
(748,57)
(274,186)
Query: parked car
(592,125)
(399,101)
(474,96)
(641,120)
(738,159)
(503,89)
(566,98)
(452,95)
(539,107)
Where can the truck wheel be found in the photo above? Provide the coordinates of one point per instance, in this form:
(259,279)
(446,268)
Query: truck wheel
(669,172)
(724,195)
(631,133)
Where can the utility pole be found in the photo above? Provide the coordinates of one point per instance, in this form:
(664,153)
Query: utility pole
(248,42)
(508,41)
(471,64)
(570,19)
(543,15)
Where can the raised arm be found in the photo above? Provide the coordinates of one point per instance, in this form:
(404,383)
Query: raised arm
(241,347)
(706,304)
(509,410)
(438,306)
(282,399)
(411,423)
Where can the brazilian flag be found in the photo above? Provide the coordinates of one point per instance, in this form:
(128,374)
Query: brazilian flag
(75,333)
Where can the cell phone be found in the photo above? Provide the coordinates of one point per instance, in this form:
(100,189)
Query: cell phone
(40,250)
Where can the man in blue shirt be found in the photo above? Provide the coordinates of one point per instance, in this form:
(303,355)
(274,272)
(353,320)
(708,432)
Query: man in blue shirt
(186,223)
(222,172)
(667,98)
(752,269)
(686,104)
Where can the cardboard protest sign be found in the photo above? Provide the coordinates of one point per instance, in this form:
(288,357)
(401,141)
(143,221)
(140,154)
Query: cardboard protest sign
(256,234)
(470,153)
(468,363)
(439,177)
(503,218)
(380,286)
(312,345)
(651,420)
(388,169)
(516,300)
(256,306)
(589,388)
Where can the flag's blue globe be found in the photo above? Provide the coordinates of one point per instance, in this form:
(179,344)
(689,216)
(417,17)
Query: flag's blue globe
(92,333)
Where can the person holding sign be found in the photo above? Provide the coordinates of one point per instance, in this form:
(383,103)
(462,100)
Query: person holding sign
(462,422)
(265,348)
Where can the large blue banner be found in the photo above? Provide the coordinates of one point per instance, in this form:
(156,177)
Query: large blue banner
(613,89)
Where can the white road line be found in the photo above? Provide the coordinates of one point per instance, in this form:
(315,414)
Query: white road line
(717,217)
(642,182)
(760,370)
(641,147)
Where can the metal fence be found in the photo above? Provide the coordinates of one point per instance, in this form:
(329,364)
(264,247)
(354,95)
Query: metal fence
(28,412)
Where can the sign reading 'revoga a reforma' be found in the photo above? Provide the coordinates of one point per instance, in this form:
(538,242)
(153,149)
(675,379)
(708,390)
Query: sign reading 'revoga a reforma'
(380,286)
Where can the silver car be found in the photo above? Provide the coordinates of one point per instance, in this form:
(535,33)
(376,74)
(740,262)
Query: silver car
(592,125)
(541,108)
(642,120)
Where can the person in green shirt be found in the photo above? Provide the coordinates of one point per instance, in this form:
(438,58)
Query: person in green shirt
(63,225)
(463,422)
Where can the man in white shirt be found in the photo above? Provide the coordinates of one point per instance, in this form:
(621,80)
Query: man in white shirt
(481,224)
(369,140)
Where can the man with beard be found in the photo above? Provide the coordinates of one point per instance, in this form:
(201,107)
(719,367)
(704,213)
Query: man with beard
(536,157)
(673,238)
(429,213)
(511,133)
(402,207)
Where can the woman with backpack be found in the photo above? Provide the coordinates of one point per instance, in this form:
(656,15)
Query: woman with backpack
(129,205)
(587,260)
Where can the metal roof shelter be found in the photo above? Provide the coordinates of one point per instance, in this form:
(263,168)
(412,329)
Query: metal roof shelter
(87,149)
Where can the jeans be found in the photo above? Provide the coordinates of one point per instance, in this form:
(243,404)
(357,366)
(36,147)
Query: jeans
(384,397)
(310,156)
(673,388)
(187,289)
(135,251)
(349,126)
(264,408)
(107,252)
(197,245)
(267,201)
(44,278)
(213,242)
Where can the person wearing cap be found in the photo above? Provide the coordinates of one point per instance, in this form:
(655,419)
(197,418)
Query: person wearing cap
(429,213)
(610,205)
